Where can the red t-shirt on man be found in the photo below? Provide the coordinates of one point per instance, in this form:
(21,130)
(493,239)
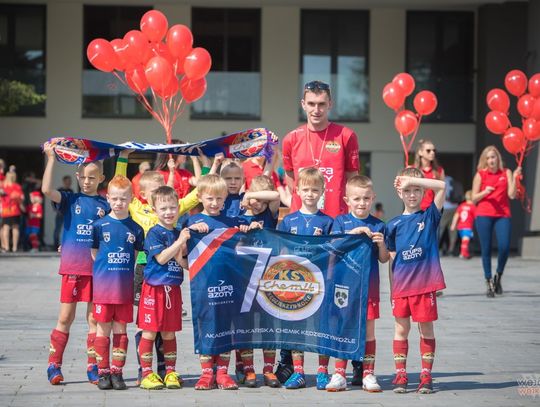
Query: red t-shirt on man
(252,169)
(334,151)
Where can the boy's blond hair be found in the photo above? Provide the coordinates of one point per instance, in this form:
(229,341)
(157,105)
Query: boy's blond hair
(98,164)
(261,183)
(164,192)
(411,172)
(468,195)
(148,177)
(360,181)
(119,182)
(231,165)
(310,176)
(212,184)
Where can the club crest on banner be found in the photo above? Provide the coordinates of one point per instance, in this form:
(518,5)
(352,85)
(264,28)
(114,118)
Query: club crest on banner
(248,144)
(291,288)
(70,151)
(341,296)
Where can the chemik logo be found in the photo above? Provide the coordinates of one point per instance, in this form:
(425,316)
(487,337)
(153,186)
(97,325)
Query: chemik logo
(221,290)
(119,257)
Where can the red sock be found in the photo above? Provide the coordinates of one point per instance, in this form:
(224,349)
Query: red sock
(465,247)
(169,352)
(269,358)
(222,362)
(341,366)
(146,355)
(102,344)
(207,363)
(90,351)
(323,364)
(369,358)
(247,360)
(401,348)
(427,350)
(34,241)
(119,352)
(59,341)
(239,365)
(298,361)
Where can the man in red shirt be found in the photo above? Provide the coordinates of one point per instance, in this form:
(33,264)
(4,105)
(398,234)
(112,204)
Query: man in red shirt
(330,147)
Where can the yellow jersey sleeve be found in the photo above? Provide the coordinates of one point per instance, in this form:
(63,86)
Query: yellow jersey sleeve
(188,202)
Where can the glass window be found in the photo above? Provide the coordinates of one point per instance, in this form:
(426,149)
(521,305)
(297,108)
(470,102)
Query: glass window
(22,59)
(335,51)
(233,38)
(103,94)
(440,56)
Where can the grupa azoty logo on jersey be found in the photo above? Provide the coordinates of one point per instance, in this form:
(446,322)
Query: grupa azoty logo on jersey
(85,229)
(412,253)
(220,290)
(291,288)
(118,257)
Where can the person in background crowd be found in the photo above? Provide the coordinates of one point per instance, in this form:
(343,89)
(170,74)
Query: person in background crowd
(59,218)
(143,167)
(12,201)
(426,161)
(493,187)
(379,211)
(34,216)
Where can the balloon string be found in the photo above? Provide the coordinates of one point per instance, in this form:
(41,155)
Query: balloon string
(405,149)
(415,131)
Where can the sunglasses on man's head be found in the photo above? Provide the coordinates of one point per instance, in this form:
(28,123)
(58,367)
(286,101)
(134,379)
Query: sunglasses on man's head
(316,85)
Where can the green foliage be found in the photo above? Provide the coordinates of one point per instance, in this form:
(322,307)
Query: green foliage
(14,94)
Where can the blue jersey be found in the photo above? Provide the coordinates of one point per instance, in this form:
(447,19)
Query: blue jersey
(117,241)
(79,211)
(346,223)
(231,207)
(157,240)
(299,223)
(416,267)
(216,222)
(266,218)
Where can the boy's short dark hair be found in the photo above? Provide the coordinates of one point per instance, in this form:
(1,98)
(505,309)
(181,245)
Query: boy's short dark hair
(98,164)
(164,192)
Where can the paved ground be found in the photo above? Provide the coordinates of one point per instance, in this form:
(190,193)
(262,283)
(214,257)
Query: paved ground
(484,347)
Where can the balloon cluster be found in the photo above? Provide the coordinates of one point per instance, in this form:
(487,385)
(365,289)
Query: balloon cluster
(516,140)
(406,121)
(173,70)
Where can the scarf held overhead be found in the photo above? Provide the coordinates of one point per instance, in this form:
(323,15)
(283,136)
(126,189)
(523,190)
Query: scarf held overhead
(244,144)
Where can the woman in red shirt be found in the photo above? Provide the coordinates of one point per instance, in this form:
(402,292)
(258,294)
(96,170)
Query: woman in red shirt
(11,211)
(493,187)
(426,161)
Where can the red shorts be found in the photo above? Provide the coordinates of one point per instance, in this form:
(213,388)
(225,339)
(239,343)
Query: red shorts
(372,309)
(76,288)
(422,308)
(122,313)
(160,308)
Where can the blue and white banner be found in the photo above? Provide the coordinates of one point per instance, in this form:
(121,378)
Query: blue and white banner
(275,290)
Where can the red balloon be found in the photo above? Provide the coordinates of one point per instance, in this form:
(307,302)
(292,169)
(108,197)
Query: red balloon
(515,82)
(531,129)
(405,82)
(158,72)
(498,100)
(161,50)
(534,85)
(197,63)
(425,102)
(137,46)
(120,47)
(525,105)
(170,90)
(192,90)
(406,122)
(497,122)
(180,41)
(154,25)
(393,96)
(178,65)
(101,55)
(136,79)
(514,140)
(535,113)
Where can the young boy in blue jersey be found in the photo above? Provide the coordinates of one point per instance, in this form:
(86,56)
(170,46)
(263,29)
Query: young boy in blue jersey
(309,220)
(261,203)
(80,210)
(116,239)
(160,306)
(212,192)
(233,175)
(416,273)
(359,198)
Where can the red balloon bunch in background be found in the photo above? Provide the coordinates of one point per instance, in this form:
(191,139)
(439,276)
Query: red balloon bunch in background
(172,69)
(407,122)
(516,140)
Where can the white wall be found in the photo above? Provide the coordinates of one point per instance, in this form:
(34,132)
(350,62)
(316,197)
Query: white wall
(280,57)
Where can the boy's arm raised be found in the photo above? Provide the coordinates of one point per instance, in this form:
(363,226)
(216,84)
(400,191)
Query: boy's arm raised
(438,186)
(46,186)
(122,162)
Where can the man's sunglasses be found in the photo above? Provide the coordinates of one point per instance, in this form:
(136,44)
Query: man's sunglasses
(316,85)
